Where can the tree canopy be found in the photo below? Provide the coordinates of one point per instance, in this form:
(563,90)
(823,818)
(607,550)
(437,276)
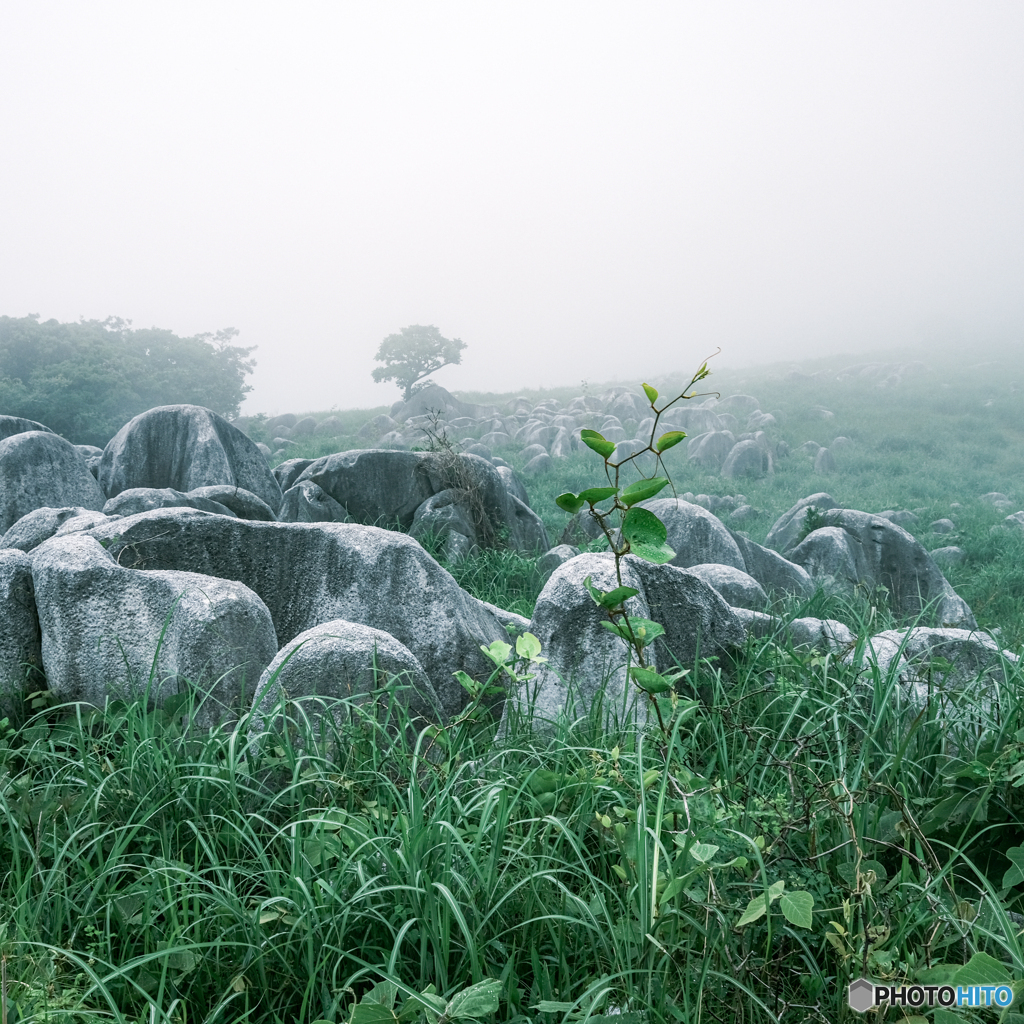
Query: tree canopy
(85,380)
(412,354)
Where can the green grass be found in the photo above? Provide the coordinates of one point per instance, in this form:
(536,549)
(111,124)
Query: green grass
(150,872)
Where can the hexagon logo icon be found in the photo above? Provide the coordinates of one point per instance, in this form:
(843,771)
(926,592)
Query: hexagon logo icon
(861,995)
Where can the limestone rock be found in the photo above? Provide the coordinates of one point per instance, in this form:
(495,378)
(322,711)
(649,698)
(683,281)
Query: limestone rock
(237,500)
(348,661)
(696,536)
(308,574)
(39,469)
(106,629)
(785,534)
(20,643)
(11,425)
(32,529)
(184,447)
(739,589)
(144,499)
(305,502)
(748,459)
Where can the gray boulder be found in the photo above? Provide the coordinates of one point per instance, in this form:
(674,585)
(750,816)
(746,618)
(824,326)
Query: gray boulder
(113,632)
(537,465)
(306,502)
(331,426)
(756,623)
(21,660)
(858,549)
(552,559)
(513,484)
(532,451)
(238,500)
(738,589)
(308,574)
(696,536)
(303,428)
(144,499)
(944,557)
(184,447)
(287,472)
(92,455)
(344,661)
(785,534)
(822,634)
(11,425)
(748,459)
(31,530)
(38,469)
(445,520)
(943,526)
(777,575)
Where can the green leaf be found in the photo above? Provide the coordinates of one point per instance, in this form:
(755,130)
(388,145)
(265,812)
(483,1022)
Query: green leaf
(643,629)
(372,1013)
(646,535)
(642,490)
(703,852)
(384,992)
(569,502)
(651,393)
(669,440)
(498,651)
(476,1001)
(592,439)
(551,1006)
(595,594)
(759,905)
(982,969)
(528,647)
(613,598)
(796,908)
(1015,874)
(593,495)
(672,889)
(650,681)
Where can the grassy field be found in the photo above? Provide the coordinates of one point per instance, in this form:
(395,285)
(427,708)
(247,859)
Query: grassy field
(792,828)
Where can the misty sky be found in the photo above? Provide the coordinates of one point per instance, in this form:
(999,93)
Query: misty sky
(574,189)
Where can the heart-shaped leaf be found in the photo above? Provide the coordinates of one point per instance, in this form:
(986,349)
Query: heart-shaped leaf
(796,908)
(569,502)
(613,598)
(646,534)
(595,494)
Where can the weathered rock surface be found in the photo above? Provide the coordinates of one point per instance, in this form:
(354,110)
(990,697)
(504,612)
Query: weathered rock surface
(145,499)
(32,529)
(855,548)
(20,642)
(287,472)
(184,447)
(38,469)
(238,500)
(107,629)
(306,502)
(824,634)
(777,575)
(11,425)
(696,536)
(738,588)
(345,660)
(309,574)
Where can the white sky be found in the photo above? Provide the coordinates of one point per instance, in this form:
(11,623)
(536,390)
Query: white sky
(574,189)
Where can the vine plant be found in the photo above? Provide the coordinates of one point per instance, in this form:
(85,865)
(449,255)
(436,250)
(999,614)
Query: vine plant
(639,532)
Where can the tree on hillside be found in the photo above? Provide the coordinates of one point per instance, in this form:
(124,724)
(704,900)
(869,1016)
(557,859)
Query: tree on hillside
(412,354)
(86,380)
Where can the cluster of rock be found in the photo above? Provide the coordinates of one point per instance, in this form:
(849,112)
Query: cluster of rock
(879,374)
(176,554)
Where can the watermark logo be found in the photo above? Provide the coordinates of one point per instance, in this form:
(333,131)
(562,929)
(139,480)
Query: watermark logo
(865,995)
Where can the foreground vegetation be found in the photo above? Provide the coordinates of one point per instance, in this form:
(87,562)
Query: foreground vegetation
(794,826)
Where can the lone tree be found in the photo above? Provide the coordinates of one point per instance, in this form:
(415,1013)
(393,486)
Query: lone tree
(412,354)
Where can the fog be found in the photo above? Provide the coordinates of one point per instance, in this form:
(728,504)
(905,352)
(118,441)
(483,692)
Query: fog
(576,190)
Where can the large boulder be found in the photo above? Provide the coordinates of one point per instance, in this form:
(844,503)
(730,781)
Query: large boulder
(587,663)
(20,643)
(777,575)
(11,425)
(697,536)
(309,574)
(347,661)
(287,472)
(184,447)
(39,469)
(858,549)
(115,632)
(788,528)
(434,398)
(144,499)
(737,587)
(388,487)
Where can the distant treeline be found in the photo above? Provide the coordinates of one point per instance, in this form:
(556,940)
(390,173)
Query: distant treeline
(85,380)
